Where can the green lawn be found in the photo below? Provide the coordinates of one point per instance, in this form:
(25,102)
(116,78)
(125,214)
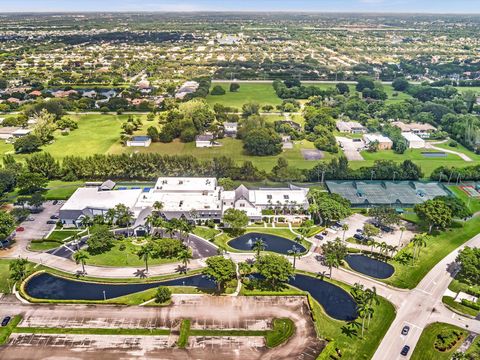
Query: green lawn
(5,331)
(61,235)
(61,190)
(128,257)
(205,232)
(44,245)
(459,307)
(425,349)
(262,94)
(5,282)
(474,350)
(472,203)
(231,148)
(408,276)
(427,164)
(461,149)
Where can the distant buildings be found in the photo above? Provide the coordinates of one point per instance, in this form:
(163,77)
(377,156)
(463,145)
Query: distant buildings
(413,140)
(230,129)
(422,130)
(188,87)
(13,132)
(384,143)
(351,127)
(206,140)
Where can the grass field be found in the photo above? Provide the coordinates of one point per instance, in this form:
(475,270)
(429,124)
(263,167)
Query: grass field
(427,164)
(61,190)
(472,203)
(425,349)
(262,94)
(461,149)
(232,148)
(127,257)
(408,276)
(459,307)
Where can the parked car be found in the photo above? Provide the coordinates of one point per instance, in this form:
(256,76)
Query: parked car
(405,330)
(20,228)
(55,202)
(4,244)
(359,237)
(319,237)
(325,233)
(6,320)
(51,222)
(54,217)
(360,231)
(30,218)
(405,350)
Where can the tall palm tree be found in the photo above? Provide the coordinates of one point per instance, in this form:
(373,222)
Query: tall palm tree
(402,229)
(145,253)
(419,240)
(372,244)
(86,222)
(185,256)
(110,216)
(258,246)
(344,228)
(331,261)
(392,249)
(295,252)
(80,257)
(383,248)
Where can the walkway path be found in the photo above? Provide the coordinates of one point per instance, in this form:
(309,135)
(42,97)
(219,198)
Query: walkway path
(431,145)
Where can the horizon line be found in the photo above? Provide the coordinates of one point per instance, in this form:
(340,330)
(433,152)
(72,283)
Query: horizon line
(236,11)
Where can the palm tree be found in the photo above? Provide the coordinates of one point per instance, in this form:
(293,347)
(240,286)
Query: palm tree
(344,228)
(158,206)
(331,261)
(86,222)
(419,240)
(392,249)
(295,252)
(110,216)
(383,248)
(145,252)
(258,246)
(170,228)
(185,256)
(402,229)
(372,244)
(80,257)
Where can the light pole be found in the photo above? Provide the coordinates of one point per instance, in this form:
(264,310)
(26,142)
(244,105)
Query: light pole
(104,296)
(371,175)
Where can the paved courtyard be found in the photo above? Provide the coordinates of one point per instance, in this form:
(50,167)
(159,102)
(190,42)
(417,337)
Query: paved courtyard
(351,148)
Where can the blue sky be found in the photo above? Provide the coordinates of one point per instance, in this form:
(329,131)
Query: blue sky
(429,6)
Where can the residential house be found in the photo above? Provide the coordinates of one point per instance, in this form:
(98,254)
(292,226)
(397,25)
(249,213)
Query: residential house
(384,143)
(422,130)
(351,127)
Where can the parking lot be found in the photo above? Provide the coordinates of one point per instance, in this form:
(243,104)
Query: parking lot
(37,228)
(351,148)
(357,221)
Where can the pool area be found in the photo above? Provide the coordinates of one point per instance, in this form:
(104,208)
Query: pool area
(51,287)
(336,302)
(434,154)
(273,243)
(369,266)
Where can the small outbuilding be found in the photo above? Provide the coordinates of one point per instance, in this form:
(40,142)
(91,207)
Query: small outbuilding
(139,141)
(413,141)
(206,140)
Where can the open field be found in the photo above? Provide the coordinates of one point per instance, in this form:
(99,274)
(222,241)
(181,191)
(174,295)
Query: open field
(472,203)
(262,94)
(425,349)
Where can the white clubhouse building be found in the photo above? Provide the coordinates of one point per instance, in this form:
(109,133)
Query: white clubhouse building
(191,198)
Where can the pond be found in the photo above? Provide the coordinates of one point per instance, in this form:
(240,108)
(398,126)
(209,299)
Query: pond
(336,302)
(369,266)
(273,243)
(48,286)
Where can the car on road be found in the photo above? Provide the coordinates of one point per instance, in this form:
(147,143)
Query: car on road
(6,320)
(20,228)
(55,202)
(319,237)
(51,222)
(405,350)
(405,330)
(54,217)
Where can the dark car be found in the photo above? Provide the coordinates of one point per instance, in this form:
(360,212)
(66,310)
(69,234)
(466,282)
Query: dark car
(55,202)
(324,233)
(51,222)
(405,350)
(405,330)
(319,237)
(6,320)
(359,237)
(360,231)
(54,217)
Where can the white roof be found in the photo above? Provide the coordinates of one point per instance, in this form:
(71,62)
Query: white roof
(22,132)
(412,137)
(181,201)
(376,137)
(190,184)
(84,198)
(275,196)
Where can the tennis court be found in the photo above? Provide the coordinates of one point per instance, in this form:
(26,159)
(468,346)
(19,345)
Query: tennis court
(398,194)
